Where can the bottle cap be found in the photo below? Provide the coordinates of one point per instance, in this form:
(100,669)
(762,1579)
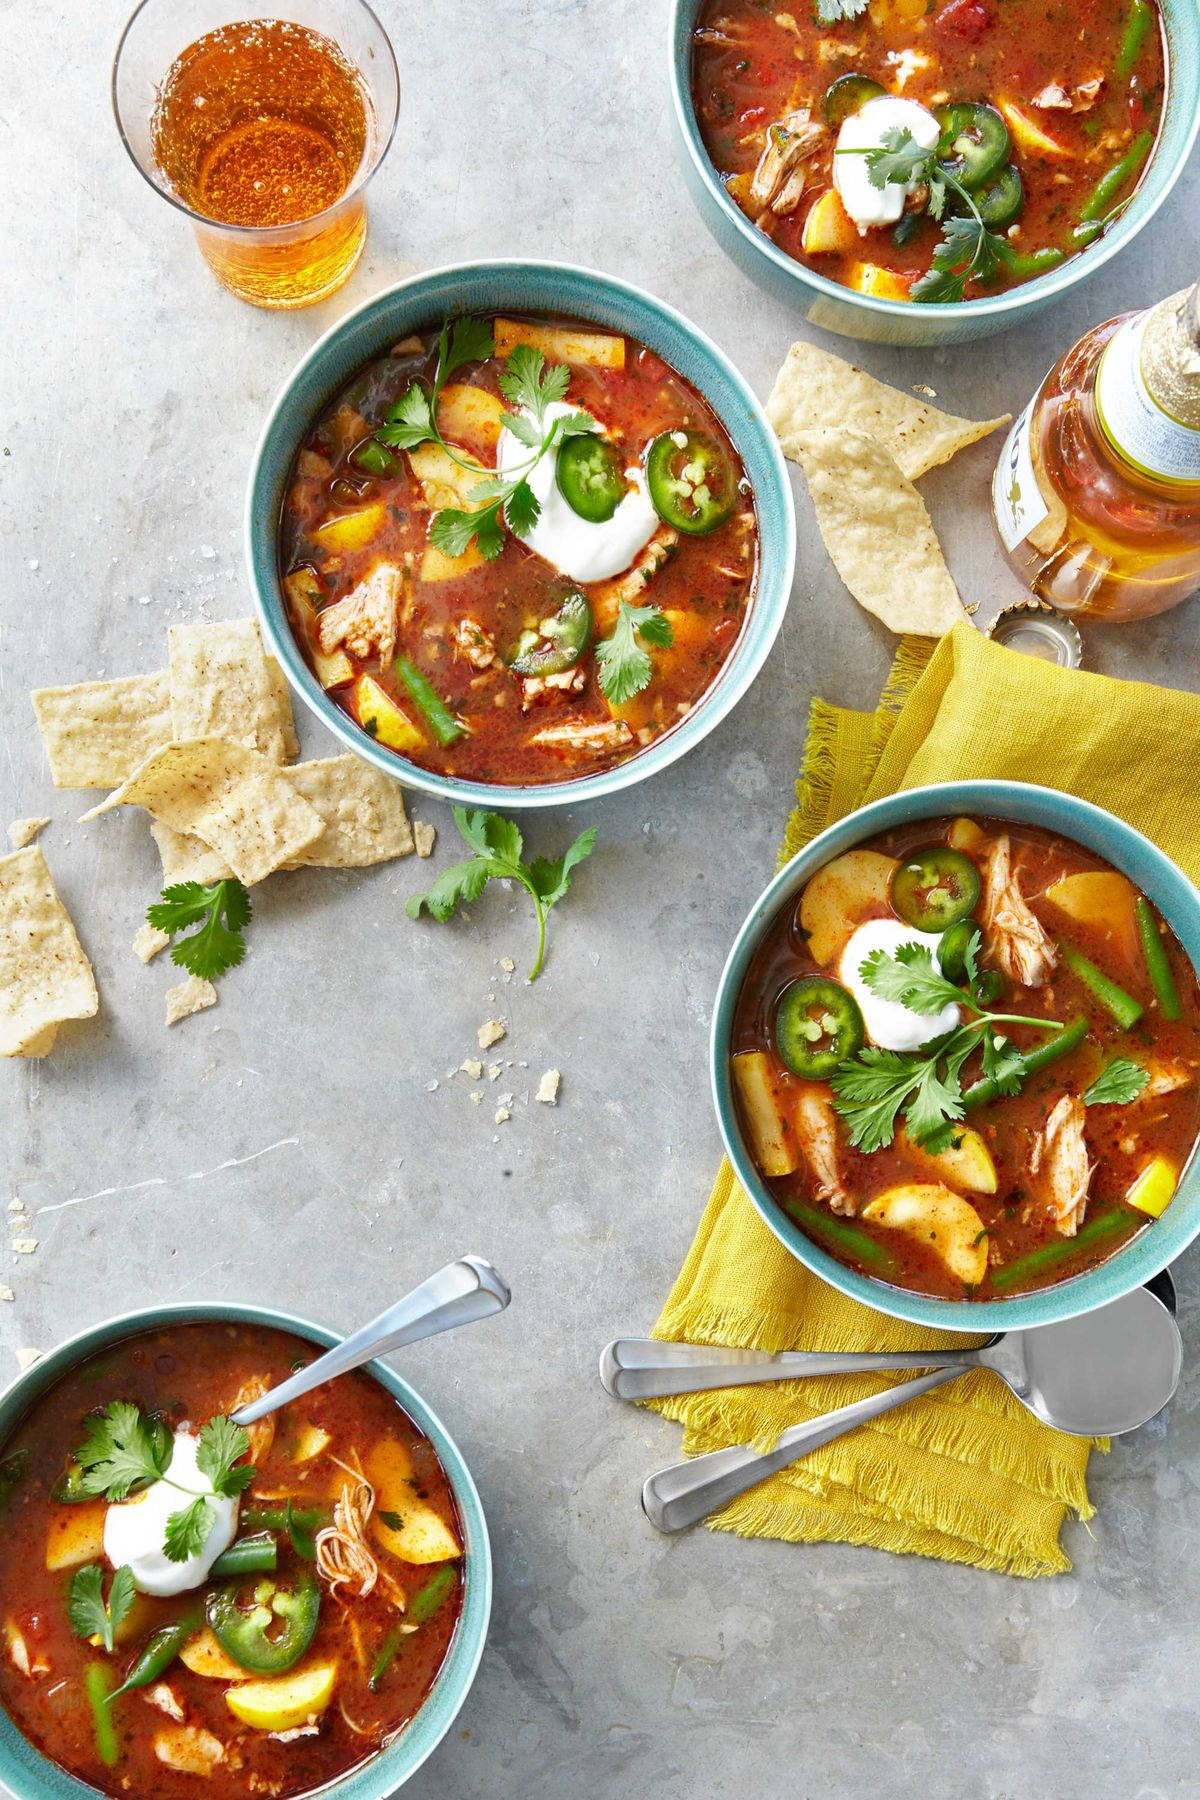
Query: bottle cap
(1035,629)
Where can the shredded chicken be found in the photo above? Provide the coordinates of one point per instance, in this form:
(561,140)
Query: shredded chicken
(189,1748)
(1060,1160)
(344,1557)
(261,1435)
(165,1699)
(473,644)
(779,178)
(816,1128)
(1015,938)
(30,1664)
(296,1731)
(1055,98)
(1166,1078)
(365,620)
(834,50)
(536,688)
(595,738)
(629,587)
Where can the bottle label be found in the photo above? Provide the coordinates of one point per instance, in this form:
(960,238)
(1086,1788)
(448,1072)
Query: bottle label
(1016,497)
(1136,426)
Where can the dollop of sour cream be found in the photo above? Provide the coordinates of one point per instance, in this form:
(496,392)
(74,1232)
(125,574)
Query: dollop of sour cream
(135,1530)
(579,548)
(890,1024)
(867,204)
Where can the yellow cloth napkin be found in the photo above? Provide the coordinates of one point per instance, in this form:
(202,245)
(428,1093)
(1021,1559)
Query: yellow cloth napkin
(964,1473)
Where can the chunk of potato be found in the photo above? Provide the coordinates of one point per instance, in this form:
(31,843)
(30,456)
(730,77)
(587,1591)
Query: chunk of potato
(437,566)
(966,1164)
(75,1534)
(443,481)
(768,1127)
(287,1701)
(828,227)
(378,714)
(334,670)
(1106,901)
(203,1655)
(880,284)
(352,530)
(931,1214)
(841,896)
(303,590)
(470,416)
(1028,134)
(968,838)
(558,344)
(311,1440)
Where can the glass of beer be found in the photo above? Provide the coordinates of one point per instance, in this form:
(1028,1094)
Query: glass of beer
(264,132)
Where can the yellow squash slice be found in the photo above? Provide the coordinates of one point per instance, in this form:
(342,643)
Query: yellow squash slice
(839,897)
(1154,1188)
(1105,900)
(967,1163)
(287,1701)
(204,1656)
(772,1137)
(931,1214)
(828,227)
(421,1536)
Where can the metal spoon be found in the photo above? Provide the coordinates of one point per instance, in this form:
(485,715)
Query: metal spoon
(461,1293)
(1105,1372)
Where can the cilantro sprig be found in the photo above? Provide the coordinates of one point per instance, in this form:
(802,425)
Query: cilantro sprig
(1118,1084)
(221,910)
(623,666)
(89,1613)
(967,250)
(832,12)
(875,1087)
(124,1449)
(531,388)
(498,844)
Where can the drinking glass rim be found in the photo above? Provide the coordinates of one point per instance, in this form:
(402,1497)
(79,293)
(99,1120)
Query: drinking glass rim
(362,177)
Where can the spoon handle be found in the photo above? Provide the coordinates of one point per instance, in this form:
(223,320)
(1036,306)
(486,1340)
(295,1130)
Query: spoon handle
(686,1492)
(647,1369)
(459,1294)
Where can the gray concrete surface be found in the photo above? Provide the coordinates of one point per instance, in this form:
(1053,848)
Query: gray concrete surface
(287,1147)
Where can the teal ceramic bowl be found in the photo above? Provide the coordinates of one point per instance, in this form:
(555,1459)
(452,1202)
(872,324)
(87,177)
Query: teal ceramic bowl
(538,287)
(1126,849)
(835,308)
(28,1775)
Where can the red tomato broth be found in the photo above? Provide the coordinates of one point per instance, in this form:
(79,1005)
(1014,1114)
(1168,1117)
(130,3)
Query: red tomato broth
(190,1372)
(709,578)
(1120,1139)
(749,70)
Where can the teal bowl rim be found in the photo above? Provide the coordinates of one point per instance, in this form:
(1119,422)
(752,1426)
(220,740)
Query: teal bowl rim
(1158,179)
(1148,868)
(527,285)
(29,1775)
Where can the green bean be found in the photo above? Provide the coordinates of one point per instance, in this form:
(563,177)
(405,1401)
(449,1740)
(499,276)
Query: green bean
(1137,27)
(446,728)
(423,1605)
(841,1238)
(1111,183)
(97,1684)
(301,1535)
(160,1652)
(1123,1007)
(275,1518)
(1157,964)
(373,459)
(1034,262)
(1046,1256)
(255,1555)
(1061,1044)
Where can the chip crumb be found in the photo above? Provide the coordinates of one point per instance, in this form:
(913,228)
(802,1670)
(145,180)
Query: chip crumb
(148,941)
(16,1204)
(495,1070)
(26,1358)
(507,964)
(547,1090)
(922,387)
(425,837)
(476,1097)
(471,1065)
(502,1113)
(489,1033)
(23,831)
(431,1087)
(6,1293)
(190,996)
(25,1246)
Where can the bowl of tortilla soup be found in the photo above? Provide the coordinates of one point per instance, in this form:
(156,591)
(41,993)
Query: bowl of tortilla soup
(293,1607)
(519,533)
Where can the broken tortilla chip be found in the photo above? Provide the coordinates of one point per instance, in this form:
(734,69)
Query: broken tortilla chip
(814,387)
(231,797)
(44,975)
(363,810)
(23,831)
(188,997)
(96,733)
(148,941)
(186,858)
(878,533)
(223,685)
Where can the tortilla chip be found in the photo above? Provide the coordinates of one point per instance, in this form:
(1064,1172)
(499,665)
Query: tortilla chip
(148,941)
(187,858)
(44,975)
(224,686)
(426,837)
(814,388)
(877,532)
(188,997)
(23,831)
(363,810)
(231,797)
(96,733)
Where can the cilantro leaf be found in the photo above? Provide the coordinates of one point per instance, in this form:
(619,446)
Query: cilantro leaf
(188,1529)
(623,665)
(910,978)
(86,1608)
(832,12)
(527,382)
(521,510)
(120,1450)
(498,845)
(1118,1084)
(1002,1062)
(527,431)
(898,157)
(222,1445)
(409,422)
(470,340)
(869,1093)
(453,529)
(222,911)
